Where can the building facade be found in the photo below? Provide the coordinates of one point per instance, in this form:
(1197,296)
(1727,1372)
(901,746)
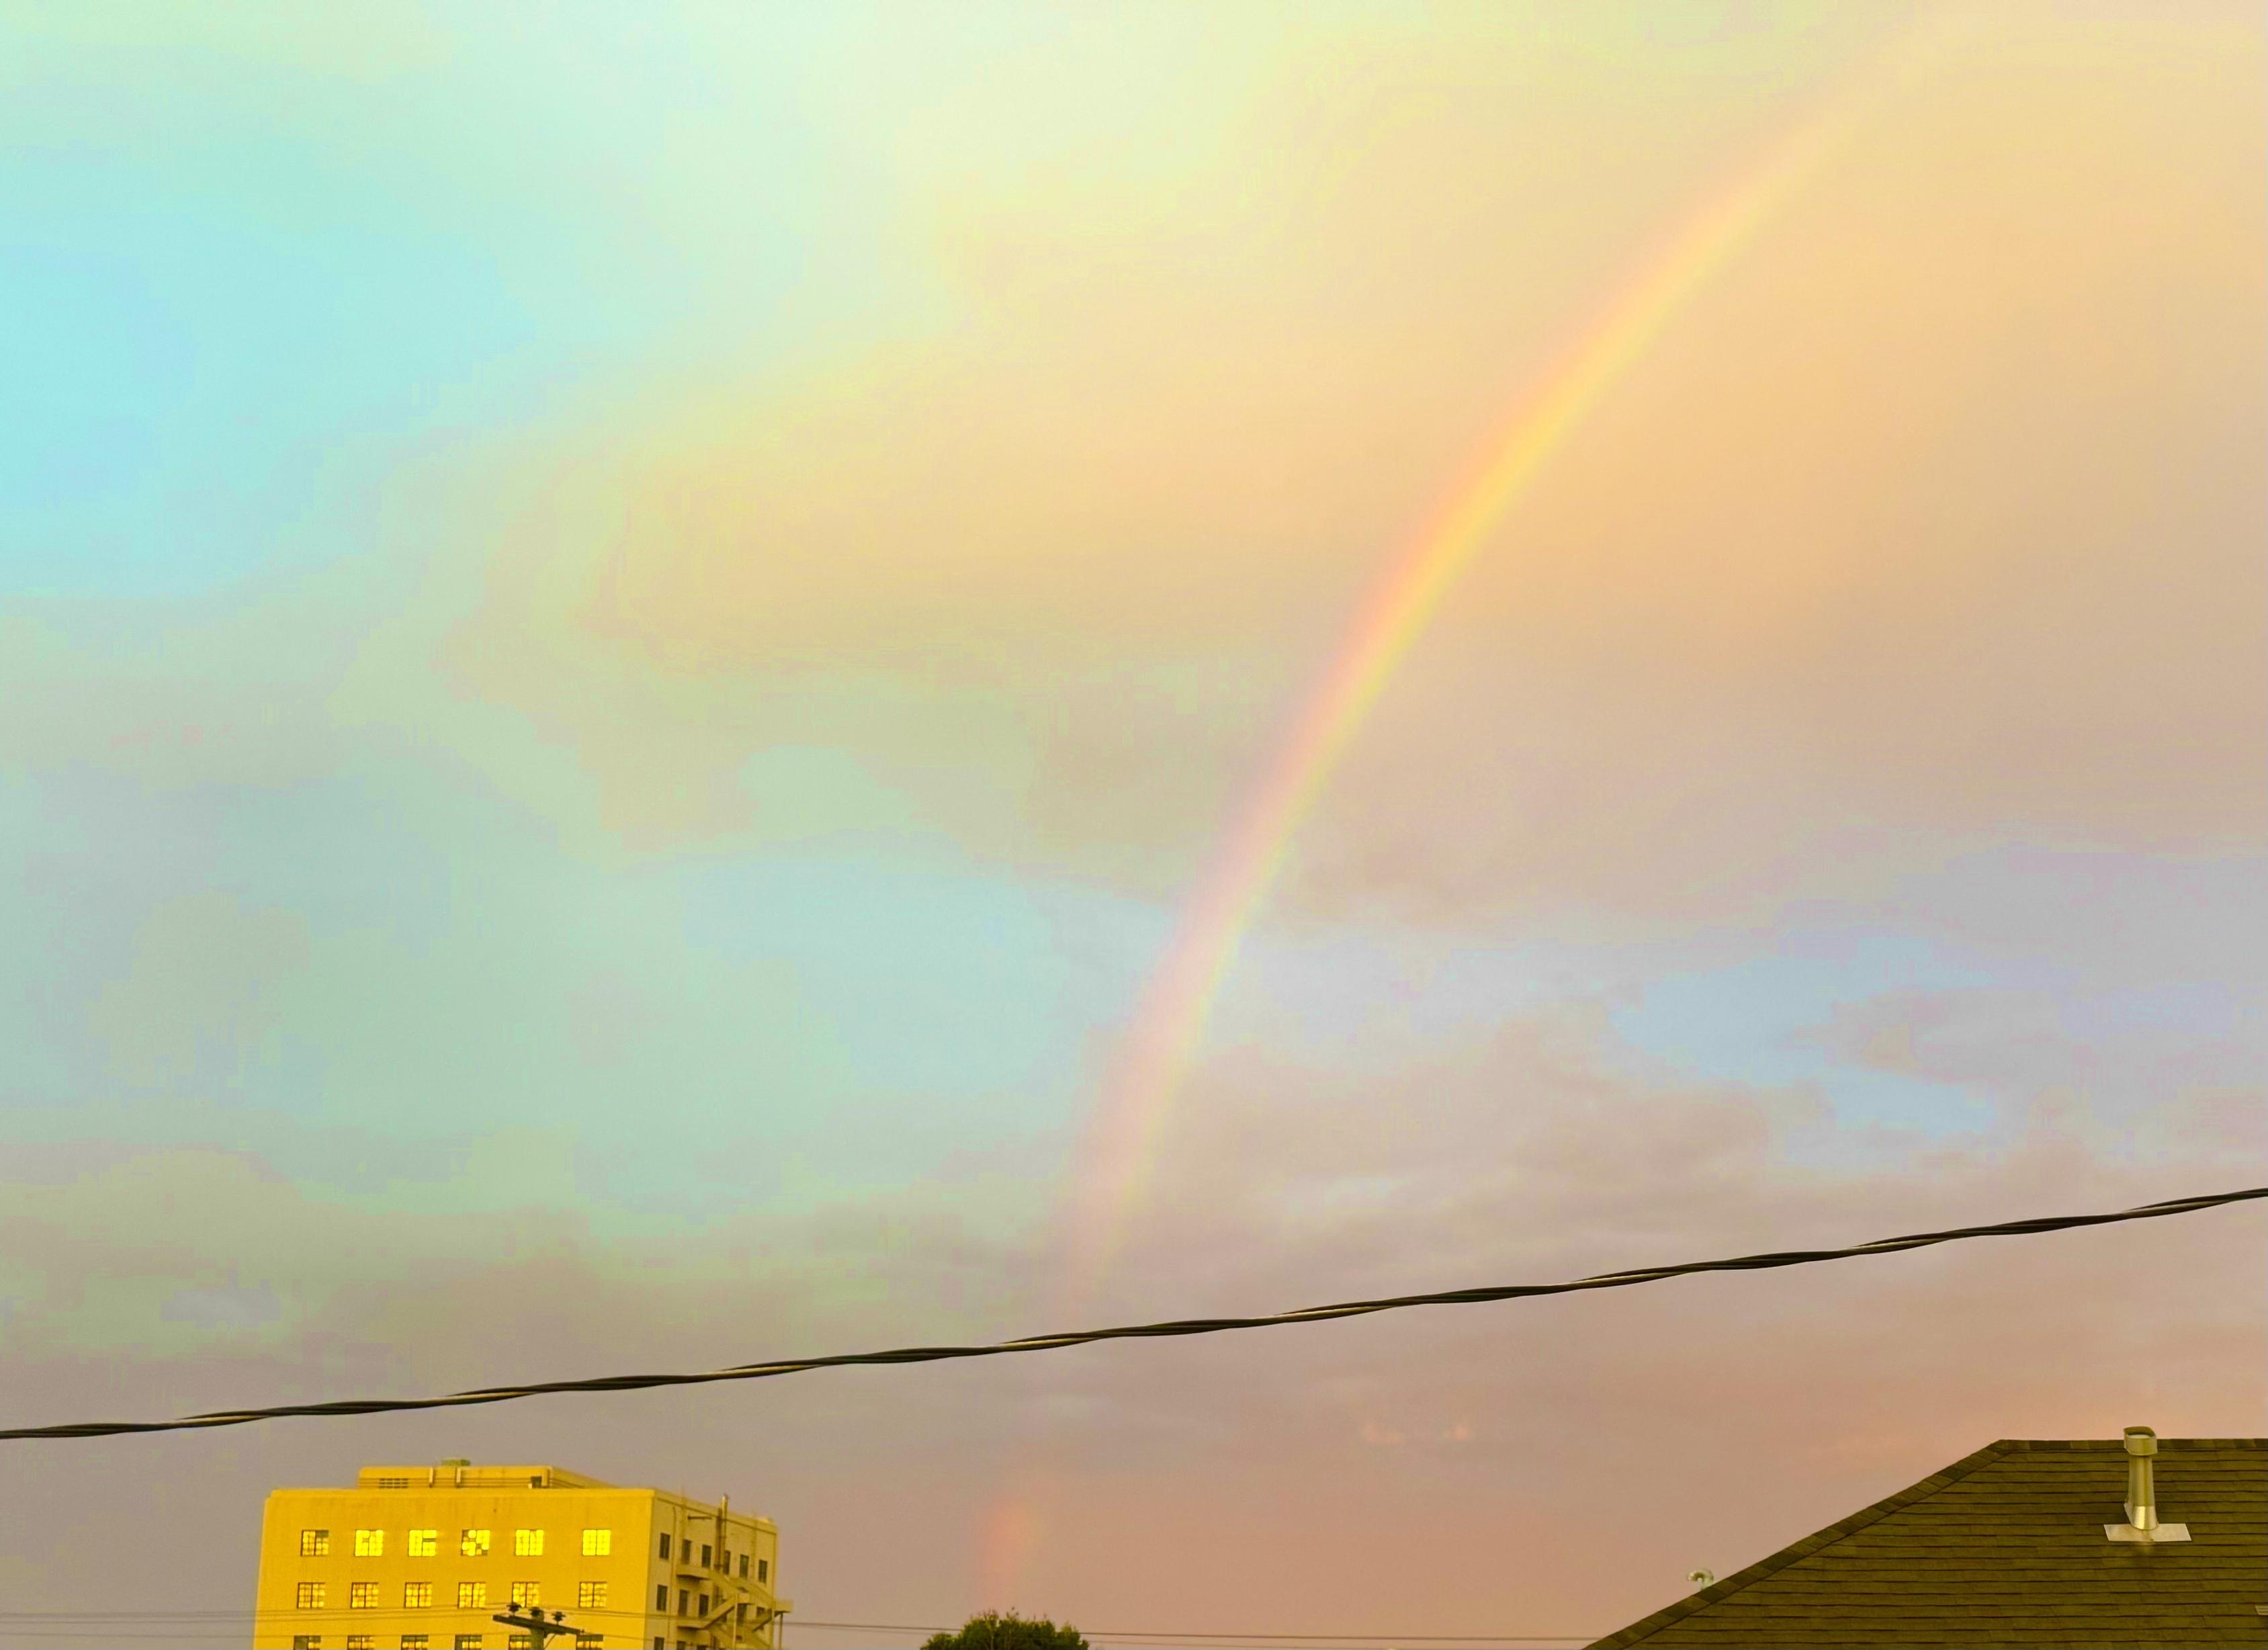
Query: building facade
(427,1557)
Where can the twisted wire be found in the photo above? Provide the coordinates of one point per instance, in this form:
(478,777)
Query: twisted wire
(1139,1331)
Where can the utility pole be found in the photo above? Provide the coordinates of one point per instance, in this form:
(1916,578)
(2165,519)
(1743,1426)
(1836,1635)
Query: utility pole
(534,1624)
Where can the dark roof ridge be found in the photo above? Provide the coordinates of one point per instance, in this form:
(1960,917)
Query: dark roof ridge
(1638,1630)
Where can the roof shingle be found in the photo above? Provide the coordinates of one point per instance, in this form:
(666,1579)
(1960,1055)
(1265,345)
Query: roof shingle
(2006,1547)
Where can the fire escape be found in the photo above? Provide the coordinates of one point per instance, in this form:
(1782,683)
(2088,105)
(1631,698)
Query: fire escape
(741,1613)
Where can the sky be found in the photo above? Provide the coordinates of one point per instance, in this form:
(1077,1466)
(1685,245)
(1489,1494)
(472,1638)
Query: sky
(631,640)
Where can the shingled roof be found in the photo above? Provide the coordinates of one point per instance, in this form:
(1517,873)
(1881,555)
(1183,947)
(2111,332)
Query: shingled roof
(2006,1547)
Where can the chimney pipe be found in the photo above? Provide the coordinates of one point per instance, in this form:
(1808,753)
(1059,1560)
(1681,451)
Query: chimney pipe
(2141,1488)
(2142,1521)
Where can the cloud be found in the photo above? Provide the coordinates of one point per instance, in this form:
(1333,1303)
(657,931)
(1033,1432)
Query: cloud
(193,1256)
(197,997)
(2148,1062)
(1890,550)
(1602,1427)
(1589,1434)
(708,827)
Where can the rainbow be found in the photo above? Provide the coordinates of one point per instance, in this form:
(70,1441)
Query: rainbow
(1179,997)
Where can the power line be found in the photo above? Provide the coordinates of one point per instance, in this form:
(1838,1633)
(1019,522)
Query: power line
(1138,1332)
(213,1624)
(1132,1635)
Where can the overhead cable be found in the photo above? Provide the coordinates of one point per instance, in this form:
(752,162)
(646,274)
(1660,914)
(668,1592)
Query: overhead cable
(1138,1331)
(182,1624)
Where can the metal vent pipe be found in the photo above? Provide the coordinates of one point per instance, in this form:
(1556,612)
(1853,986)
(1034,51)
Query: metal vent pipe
(2141,1487)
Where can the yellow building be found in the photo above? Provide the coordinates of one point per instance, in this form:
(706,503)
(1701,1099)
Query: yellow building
(426,1558)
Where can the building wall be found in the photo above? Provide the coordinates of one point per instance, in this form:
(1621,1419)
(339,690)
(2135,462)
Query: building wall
(700,1568)
(376,1579)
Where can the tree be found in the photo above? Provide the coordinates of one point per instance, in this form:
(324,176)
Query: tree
(992,1631)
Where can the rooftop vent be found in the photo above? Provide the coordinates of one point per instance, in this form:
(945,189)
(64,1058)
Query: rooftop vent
(2142,1522)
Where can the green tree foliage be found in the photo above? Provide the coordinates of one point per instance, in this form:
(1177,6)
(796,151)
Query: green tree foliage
(992,1631)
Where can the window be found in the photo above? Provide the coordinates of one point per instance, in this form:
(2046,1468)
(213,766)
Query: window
(468,1641)
(424,1544)
(314,1543)
(526,1593)
(744,1566)
(306,1641)
(471,1595)
(598,1543)
(473,1543)
(370,1544)
(310,1595)
(589,1595)
(415,1641)
(362,1595)
(684,1601)
(519,1641)
(661,1597)
(664,1543)
(704,1556)
(416,1595)
(588,1641)
(527,1543)
(361,1642)
(763,1570)
(660,1643)
(393,1484)
(704,1602)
